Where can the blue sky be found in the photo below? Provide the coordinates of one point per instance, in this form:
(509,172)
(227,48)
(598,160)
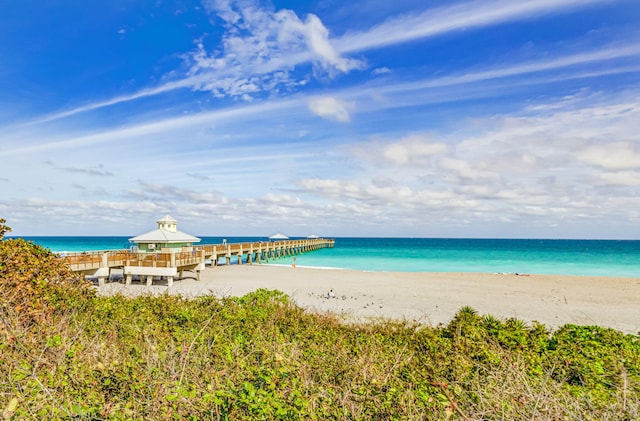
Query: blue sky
(416,118)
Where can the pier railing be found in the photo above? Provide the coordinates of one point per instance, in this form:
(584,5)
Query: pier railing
(83,261)
(100,263)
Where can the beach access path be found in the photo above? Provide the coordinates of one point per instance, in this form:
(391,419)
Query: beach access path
(430,298)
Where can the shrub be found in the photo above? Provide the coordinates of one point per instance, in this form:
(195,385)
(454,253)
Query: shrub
(34,283)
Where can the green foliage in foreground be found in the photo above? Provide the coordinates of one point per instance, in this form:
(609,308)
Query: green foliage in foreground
(67,353)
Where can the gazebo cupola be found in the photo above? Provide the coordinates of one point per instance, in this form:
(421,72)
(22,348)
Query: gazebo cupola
(167,223)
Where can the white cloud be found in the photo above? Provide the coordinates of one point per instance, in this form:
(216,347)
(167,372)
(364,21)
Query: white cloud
(413,150)
(381,71)
(263,48)
(620,178)
(316,38)
(330,108)
(468,170)
(612,155)
(224,8)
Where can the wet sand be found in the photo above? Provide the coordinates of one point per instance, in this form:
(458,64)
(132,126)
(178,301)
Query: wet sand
(425,297)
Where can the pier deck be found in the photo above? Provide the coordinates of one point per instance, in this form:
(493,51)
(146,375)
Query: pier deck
(167,264)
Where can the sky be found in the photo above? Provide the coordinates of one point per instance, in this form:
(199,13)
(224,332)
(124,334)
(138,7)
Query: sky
(404,118)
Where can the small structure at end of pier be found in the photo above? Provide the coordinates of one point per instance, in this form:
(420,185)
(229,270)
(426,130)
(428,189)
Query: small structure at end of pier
(173,245)
(165,239)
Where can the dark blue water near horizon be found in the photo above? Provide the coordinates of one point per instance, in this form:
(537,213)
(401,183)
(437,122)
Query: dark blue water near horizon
(565,257)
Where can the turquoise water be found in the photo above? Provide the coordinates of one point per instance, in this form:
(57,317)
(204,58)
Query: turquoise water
(566,257)
(563,257)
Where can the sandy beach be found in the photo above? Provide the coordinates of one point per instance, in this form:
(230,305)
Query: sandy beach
(429,298)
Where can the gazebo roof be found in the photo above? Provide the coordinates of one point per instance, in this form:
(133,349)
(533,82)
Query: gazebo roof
(164,236)
(165,233)
(278,237)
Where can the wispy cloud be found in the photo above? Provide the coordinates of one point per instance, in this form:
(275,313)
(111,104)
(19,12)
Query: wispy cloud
(199,176)
(459,17)
(600,55)
(150,128)
(513,70)
(161,192)
(381,71)
(184,83)
(98,171)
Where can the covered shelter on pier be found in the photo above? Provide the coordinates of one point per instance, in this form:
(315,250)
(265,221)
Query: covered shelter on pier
(166,238)
(278,237)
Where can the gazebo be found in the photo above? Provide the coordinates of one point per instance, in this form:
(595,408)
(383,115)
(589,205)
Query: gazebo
(278,236)
(166,238)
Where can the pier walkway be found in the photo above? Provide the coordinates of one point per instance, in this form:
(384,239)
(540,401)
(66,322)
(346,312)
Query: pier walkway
(171,264)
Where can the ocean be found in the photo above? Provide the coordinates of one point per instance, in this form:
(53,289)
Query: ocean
(560,257)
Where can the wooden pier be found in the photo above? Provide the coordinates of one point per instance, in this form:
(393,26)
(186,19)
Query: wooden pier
(170,265)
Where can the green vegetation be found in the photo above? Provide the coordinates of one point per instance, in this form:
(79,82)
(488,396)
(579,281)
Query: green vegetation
(67,353)
(3,228)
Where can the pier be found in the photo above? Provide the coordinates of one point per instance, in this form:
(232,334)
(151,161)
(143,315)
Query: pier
(171,264)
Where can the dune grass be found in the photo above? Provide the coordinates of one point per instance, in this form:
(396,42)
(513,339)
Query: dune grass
(68,353)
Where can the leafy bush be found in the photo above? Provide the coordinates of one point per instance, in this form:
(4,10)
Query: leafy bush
(34,284)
